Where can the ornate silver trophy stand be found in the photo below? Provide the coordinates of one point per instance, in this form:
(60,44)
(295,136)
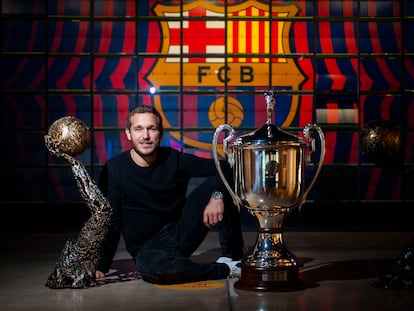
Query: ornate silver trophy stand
(269,180)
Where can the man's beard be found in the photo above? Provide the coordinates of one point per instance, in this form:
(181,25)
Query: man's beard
(145,155)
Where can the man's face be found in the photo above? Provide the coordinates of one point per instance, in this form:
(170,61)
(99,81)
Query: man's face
(144,134)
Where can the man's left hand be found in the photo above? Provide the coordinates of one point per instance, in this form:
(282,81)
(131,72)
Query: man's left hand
(213,212)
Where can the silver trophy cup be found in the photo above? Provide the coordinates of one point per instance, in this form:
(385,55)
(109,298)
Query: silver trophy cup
(269,180)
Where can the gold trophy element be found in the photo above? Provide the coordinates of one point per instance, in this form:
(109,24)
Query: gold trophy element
(75,268)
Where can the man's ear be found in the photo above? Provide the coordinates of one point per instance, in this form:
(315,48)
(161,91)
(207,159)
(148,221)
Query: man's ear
(128,134)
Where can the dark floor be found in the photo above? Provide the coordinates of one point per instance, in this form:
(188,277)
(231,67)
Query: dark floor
(339,269)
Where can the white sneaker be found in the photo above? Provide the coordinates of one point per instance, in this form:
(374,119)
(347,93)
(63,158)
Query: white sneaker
(235,270)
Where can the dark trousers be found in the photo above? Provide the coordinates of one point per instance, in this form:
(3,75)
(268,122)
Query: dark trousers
(165,258)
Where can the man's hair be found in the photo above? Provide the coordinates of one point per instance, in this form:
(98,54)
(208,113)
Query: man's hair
(145,109)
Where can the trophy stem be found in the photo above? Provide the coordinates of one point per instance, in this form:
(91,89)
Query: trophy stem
(271,266)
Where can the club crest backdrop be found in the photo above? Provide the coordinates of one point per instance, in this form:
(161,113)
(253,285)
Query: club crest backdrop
(339,64)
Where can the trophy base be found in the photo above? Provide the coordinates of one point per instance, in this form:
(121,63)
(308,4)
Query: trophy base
(270,279)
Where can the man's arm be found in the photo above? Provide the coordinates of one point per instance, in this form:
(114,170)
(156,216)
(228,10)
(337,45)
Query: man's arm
(200,167)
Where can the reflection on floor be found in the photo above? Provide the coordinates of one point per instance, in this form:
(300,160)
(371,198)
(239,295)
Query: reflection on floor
(339,270)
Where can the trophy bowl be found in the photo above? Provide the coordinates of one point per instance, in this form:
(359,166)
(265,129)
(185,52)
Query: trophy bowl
(70,134)
(269,181)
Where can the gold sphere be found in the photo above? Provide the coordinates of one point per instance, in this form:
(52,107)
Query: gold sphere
(70,134)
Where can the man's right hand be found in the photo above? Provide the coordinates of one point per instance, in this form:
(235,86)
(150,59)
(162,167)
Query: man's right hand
(99,274)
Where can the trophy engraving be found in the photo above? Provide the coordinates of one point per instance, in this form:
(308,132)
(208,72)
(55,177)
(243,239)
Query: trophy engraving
(269,181)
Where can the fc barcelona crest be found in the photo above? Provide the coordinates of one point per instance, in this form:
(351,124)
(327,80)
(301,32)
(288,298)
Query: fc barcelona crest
(209,48)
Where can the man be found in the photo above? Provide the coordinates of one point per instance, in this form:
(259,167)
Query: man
(161,226)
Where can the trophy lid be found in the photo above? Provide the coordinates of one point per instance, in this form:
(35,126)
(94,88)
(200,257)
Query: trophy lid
(269,133)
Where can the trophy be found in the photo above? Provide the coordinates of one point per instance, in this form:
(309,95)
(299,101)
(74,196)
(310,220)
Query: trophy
(269,181)
(68,137)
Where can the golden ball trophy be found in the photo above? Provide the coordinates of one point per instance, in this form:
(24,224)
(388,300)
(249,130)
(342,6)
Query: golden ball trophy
(68,137)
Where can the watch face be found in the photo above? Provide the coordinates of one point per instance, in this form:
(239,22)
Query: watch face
(217,195)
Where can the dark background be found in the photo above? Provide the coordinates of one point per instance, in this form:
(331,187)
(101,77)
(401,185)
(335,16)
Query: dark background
(89,59)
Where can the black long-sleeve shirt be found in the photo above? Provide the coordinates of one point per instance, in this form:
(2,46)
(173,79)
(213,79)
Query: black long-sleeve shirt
(145,199)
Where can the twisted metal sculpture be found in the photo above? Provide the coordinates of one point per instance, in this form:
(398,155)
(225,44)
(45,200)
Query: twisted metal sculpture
(77,263)
(400,275)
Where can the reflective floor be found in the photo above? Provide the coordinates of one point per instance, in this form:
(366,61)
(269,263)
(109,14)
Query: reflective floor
(339,269)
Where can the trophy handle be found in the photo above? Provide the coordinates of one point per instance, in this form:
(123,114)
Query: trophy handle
(230,159)
(306,132)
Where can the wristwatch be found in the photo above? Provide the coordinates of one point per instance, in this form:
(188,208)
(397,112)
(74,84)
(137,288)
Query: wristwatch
(217,195)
